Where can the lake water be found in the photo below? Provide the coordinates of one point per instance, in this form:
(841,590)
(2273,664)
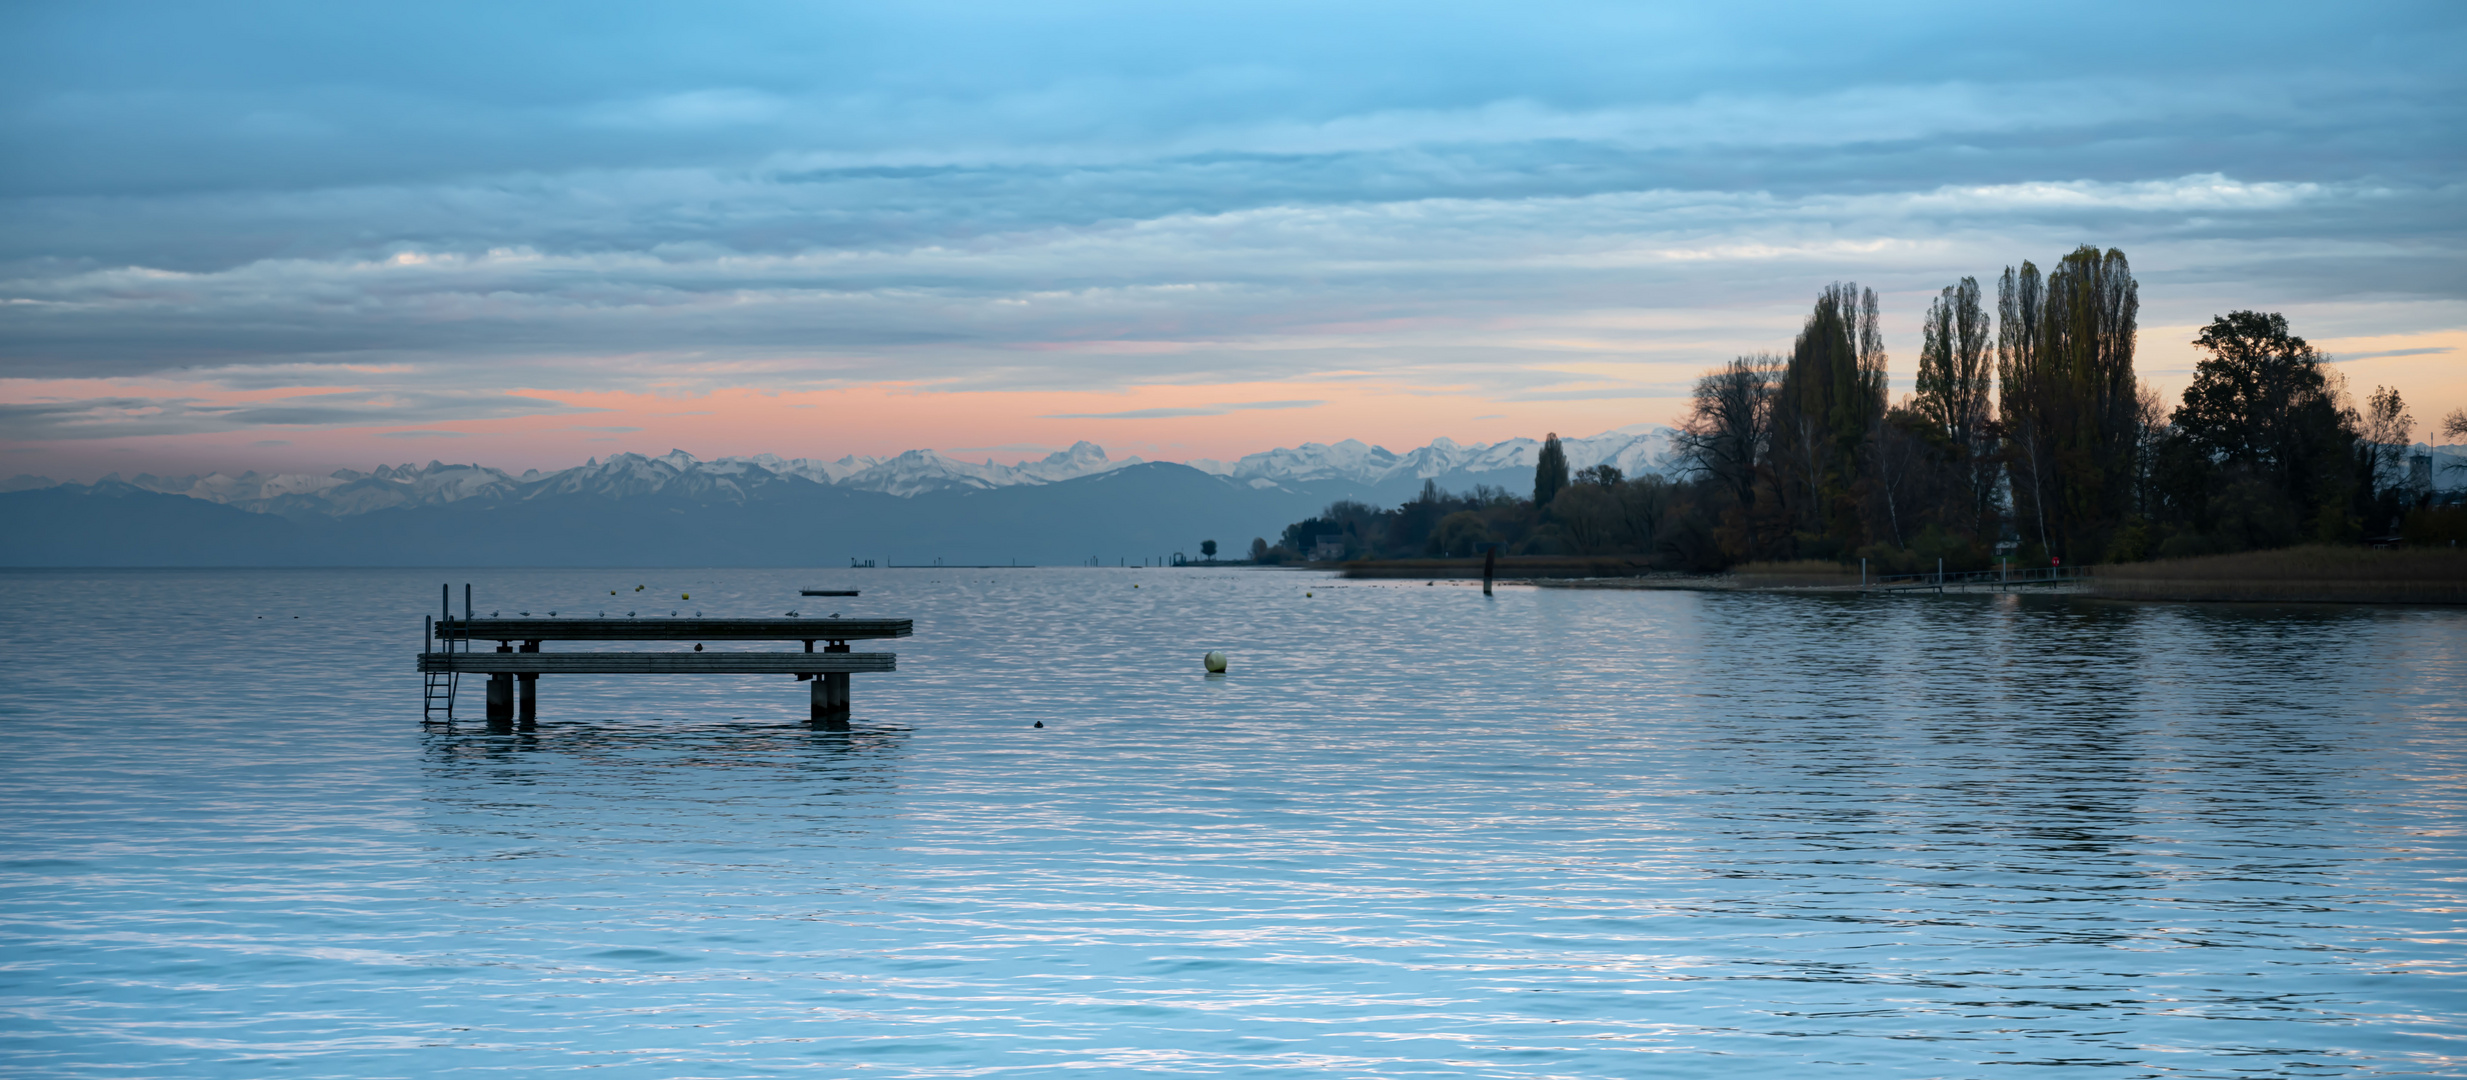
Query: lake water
(1415,832)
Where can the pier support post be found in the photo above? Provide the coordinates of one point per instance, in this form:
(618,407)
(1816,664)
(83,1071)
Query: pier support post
(1490,566)
(830,701)
(527,692)
(831,694)
(501,694)
(500,699)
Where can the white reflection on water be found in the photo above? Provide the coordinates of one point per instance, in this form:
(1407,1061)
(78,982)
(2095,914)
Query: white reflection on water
(1414,833)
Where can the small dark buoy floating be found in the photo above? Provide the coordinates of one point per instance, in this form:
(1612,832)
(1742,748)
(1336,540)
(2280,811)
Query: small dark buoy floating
(1040,723)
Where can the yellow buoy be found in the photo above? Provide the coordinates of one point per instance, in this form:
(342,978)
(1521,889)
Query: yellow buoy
(1215,661)
(685,596)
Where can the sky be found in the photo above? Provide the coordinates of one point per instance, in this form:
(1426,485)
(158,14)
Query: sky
(305,236)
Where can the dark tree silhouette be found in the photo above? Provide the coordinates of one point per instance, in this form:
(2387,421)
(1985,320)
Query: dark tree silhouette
(2071,403)
(1207,550)
(1550,472)
(2028,457)
(2261,402)
(1954,380)
(1831,396)
(1728,431)
(2387,425)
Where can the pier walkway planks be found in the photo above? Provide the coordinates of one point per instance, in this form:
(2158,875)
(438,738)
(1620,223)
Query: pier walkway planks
(658,663)
(673,629)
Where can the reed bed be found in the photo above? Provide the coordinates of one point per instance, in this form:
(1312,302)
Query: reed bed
(2310,574)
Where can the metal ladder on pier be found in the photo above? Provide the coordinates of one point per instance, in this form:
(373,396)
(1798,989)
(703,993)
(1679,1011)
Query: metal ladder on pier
(437,692)
(437,687)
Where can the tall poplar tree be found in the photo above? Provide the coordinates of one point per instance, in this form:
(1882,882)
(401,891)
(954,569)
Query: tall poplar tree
(1550,472)
(2069,397)
(2028,457)
(2086,344)
(1953,390)
(1832,395)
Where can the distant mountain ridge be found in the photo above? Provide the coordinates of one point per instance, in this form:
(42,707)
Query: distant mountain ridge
(1380,474)
(917,508)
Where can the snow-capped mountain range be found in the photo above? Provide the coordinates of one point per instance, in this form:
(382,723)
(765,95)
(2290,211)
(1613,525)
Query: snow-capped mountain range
(1634,450)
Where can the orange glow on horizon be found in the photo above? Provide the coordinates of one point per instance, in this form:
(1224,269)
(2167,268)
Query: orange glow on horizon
(882,419)
(873,420)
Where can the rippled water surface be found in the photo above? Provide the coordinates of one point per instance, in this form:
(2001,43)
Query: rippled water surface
(1415,832)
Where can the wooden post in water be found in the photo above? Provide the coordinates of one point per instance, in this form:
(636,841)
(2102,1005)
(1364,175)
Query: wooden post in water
(527,691)
(830,701)
(1490,566)
(830,694)
(501,694)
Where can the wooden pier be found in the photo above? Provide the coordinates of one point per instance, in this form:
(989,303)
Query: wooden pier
(516,664)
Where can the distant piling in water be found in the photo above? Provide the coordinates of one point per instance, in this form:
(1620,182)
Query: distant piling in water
(1490,567)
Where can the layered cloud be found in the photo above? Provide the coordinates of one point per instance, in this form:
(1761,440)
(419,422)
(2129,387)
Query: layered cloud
(411,221)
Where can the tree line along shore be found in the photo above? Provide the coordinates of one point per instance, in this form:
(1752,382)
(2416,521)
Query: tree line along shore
(2027,442)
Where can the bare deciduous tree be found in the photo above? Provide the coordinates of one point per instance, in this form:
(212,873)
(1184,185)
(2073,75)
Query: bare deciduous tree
(1728,429)
(2387,426)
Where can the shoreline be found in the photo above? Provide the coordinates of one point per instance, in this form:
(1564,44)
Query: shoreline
(2312,574)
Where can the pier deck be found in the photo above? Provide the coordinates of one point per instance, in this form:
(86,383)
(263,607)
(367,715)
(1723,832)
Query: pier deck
(673,629)
(658,663)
